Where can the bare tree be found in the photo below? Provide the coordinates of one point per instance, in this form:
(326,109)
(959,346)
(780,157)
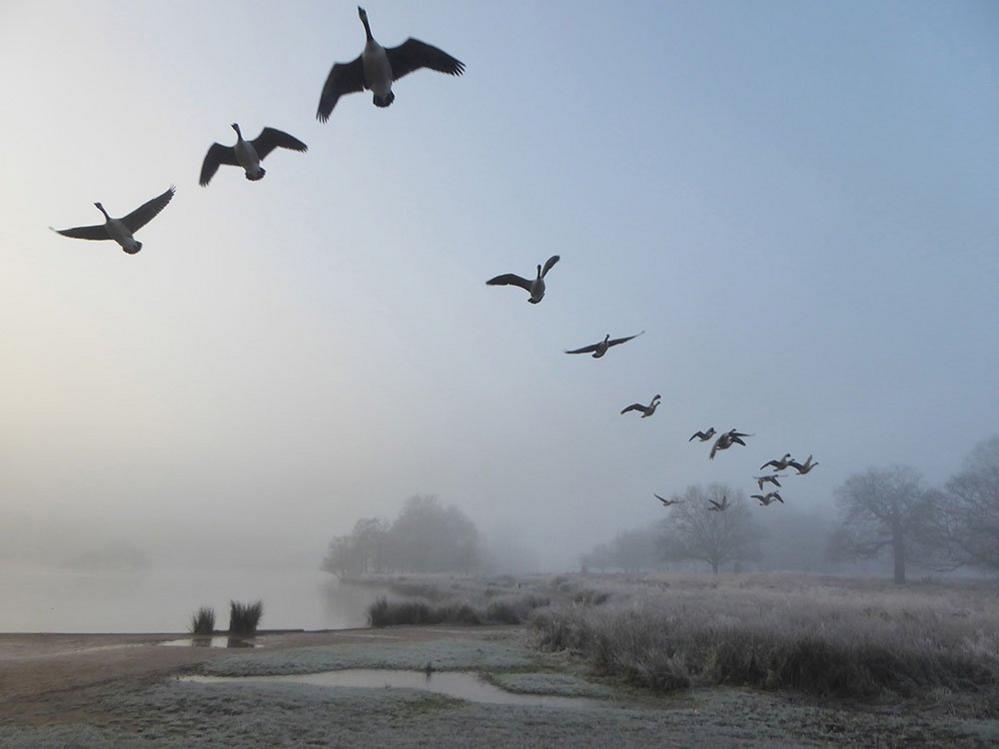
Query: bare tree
(885,509)
(714,537)
(970,522)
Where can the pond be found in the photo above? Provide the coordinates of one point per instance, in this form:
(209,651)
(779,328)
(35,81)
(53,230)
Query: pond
(39,599)
(463,685)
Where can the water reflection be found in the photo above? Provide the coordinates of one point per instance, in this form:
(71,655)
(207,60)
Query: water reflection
(222,641)
(45,599)
(462,685)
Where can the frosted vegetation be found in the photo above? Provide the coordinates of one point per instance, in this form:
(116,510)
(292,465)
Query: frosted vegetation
(823,636)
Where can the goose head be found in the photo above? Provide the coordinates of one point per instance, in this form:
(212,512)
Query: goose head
(363,15)
(101,209)
(539,271)
(235,127)
(656,397)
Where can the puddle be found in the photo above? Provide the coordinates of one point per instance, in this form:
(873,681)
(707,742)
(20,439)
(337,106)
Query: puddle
(463,685)
(210,642)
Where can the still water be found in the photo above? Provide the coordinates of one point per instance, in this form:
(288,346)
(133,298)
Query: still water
(462,685)
(37,599)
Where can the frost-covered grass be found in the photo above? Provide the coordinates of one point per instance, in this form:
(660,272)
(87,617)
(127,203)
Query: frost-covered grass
(444,655)
(821,636)
(175,714)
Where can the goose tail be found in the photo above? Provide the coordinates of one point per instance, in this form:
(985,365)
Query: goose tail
(384,101)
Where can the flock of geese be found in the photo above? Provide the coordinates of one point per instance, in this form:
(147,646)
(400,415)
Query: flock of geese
(375,70)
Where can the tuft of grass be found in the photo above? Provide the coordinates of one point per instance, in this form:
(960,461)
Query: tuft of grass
(203,621)
(244,617)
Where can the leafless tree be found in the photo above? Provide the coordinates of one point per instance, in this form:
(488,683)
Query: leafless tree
(886,509)
(969,522)
(695,532)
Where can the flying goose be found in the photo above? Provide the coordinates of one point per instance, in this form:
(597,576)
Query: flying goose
(378,67)
(668,502)
(599,349)
(768,499)
(646,410)
(247,153)
(703,436)
(121,230)
(761,480)
(803,468)
(535,288)
(718,506)
(726,440)
(778,464)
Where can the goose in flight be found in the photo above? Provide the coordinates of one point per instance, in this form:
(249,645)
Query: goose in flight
(535,288)
(718,506)
(668,502)
(768,499)
(122,230)
(803,468)
(648,410)
(778,464)
(599,349)
(703,436)
(377,68)
(726,440)
(247,153)
(761,480)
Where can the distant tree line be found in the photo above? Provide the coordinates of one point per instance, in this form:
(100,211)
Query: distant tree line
(887,513)
(424,537)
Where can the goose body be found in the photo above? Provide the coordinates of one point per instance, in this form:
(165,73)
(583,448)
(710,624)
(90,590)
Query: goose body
(601,348)
(714,506)
(778,464)
(726,440)
(378,67)
(247,153)
(648,410)
(803,468)
(535,288)
(768,499)
(703,436)
(121,230)
(668,502)
(761,480)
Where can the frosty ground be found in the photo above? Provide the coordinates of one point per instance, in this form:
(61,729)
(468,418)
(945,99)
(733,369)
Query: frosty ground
(107,690)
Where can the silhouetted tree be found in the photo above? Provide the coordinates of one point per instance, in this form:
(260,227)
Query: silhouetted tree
(886,509)
(969,521)
(695,532)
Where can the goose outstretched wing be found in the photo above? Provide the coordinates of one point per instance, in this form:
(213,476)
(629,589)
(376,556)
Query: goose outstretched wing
(618,341)
(585,350)
(510,279)
(84,232)
(217,156)
(549,264)
(147,211)
(413,54)
(344,78)
(271,138)
(634,407)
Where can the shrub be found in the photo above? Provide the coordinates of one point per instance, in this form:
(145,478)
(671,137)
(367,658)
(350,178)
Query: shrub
(244,617)
(203,621)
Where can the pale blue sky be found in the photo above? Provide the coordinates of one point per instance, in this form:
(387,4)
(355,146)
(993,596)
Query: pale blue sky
(796,200)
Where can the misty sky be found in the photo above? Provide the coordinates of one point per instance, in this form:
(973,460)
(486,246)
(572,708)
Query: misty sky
(796,200)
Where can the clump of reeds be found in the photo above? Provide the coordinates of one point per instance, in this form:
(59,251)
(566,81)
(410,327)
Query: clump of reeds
(203,621)
(244,617)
